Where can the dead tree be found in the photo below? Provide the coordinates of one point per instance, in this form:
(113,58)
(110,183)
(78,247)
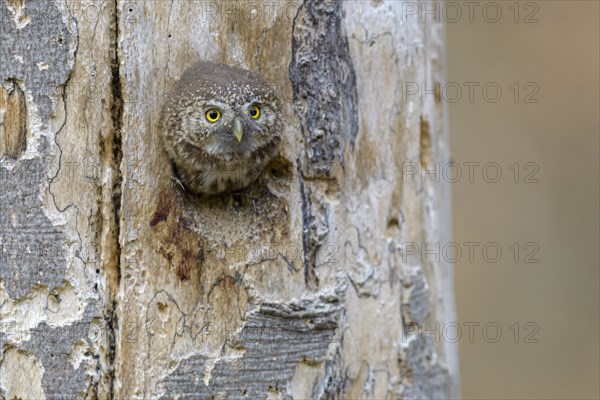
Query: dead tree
(114,283)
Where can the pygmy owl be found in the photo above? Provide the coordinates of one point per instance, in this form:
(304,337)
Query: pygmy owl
(220,127)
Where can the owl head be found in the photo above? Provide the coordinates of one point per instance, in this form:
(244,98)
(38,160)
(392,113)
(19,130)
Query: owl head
(227,112)
(220,127)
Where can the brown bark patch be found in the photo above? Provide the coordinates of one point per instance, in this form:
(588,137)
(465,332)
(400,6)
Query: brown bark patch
(13,122)
(179,244)
(425,148)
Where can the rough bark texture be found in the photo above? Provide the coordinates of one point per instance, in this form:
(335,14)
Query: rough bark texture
(116,284)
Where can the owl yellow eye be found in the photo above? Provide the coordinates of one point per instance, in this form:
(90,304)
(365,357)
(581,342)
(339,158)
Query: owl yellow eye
(212,115)
(254,111)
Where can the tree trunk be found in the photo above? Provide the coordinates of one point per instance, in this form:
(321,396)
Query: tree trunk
(114,283)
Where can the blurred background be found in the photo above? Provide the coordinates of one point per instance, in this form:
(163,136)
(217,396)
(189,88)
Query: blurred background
(542,213)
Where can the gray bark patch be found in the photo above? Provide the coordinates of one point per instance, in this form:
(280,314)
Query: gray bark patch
(32,250)
(429,379)
(35,48)
(324,84)
(273,340)
(53,346)
(415,296)
(311,238)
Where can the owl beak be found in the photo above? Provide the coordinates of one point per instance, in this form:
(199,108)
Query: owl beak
(237,130)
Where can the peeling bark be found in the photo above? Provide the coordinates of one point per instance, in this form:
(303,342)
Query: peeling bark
(115,283)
